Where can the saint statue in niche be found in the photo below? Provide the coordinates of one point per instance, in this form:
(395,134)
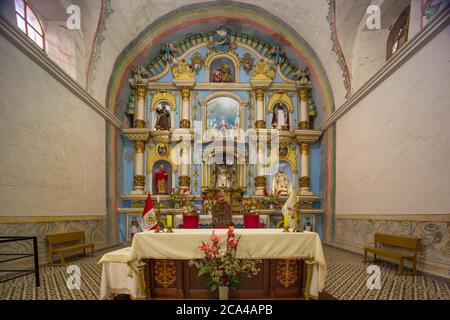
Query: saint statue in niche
(281,184)
(280,117)
(222,176)
(161,177)
(218,75)
(163,116)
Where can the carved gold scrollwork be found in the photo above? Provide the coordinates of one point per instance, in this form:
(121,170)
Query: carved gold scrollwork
(260,182)
(303,93)
(303,125)
(183,71)
(139,124)
(184,181)
(139,181)
(263,71)
(184,123)
(304,182)
(305,148)
(139,146)
(141,92)
(287,272)
(165,273)
(259,93)
(260,124)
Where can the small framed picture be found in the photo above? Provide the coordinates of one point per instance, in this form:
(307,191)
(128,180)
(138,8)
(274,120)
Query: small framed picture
(133,225)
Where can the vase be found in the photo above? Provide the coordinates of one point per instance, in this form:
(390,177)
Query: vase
(223,292)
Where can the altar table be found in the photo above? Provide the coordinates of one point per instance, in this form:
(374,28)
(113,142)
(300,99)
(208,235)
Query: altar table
(161,260)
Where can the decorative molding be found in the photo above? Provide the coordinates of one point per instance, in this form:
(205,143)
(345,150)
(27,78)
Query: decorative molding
(164,95)
(105,11)
(397,217)
(37,219)
(228,86)
(280,97)
(331,17)
(396,61)
(25,45)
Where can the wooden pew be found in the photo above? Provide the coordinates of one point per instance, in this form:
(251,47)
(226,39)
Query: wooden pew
(62,243)
(397,241)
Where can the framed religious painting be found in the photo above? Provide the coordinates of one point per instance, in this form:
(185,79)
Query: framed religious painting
(222,114)
(133,223)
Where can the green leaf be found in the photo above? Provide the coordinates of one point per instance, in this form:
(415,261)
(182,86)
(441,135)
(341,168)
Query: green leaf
(214,287)
(203,270)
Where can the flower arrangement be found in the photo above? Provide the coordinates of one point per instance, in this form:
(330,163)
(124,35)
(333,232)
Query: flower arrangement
(179,199)
(222,266)
(270,200)
(250,204)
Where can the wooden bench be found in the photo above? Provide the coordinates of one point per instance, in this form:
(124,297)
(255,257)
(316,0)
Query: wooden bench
(397,241)
(62,243)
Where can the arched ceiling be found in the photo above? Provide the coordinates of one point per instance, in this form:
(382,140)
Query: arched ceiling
(132,29)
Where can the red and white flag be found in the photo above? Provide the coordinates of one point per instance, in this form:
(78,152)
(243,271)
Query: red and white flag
(149,221)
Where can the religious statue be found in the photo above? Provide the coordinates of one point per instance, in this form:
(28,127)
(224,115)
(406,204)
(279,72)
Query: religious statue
(163,118)
(161,177)
(247,62)
(221,177)
(221,40)
(277,55)
(280,118)
(218,75)
(226,73)
(281,184)
(168,52)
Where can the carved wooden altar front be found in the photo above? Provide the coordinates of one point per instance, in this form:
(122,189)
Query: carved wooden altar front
(175,279)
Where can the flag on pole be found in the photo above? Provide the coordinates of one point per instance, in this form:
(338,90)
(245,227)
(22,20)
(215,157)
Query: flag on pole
(289,206)
(149,221)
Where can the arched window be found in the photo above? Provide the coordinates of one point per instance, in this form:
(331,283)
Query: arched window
(29,23)
(399,34)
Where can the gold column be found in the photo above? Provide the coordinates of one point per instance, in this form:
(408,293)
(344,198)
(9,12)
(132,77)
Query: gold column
(305,180)
(139,176)
(260,123)
(185,122)
(304,112)
(139,121)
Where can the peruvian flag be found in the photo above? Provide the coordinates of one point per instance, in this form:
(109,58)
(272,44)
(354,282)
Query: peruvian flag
(149,221)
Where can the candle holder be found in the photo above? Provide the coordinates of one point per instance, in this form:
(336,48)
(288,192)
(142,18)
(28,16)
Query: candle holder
(297,227)
(158,218)
(169,226)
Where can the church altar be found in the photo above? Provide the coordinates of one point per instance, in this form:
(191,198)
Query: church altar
(156,266)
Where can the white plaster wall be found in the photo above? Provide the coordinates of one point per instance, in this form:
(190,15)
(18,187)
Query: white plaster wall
(393,148)
(66,48)
(52,158)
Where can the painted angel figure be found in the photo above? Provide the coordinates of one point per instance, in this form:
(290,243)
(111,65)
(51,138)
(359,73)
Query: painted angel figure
(277,55)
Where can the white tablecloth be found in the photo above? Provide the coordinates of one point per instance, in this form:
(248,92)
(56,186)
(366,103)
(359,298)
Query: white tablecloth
(183,244)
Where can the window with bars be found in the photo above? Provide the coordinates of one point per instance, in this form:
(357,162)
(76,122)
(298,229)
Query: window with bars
(29,23)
